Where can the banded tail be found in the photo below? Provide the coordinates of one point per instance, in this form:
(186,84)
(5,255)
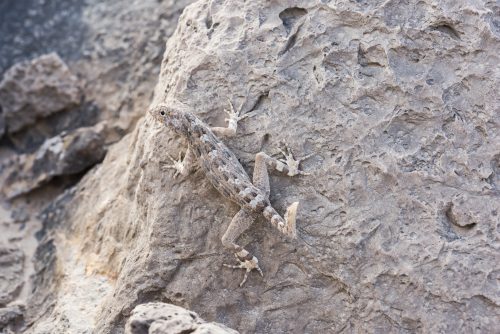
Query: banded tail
(285,225)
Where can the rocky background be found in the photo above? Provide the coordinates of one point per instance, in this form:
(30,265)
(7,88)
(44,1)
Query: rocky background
(398,222)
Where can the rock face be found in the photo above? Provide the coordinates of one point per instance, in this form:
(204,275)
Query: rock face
(398,223)
(35,89)
(161,318)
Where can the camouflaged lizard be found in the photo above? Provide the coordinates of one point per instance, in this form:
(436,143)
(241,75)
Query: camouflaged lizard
(227,175)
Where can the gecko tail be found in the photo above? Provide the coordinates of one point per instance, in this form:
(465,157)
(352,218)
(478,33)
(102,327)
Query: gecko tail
(290,215)
(286,225)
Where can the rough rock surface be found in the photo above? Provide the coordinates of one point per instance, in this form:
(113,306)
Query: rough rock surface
(117,67)
(398,223)
(161,318)
(35,89)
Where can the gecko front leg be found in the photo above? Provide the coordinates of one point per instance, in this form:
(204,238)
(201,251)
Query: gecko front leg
(182,166)
(288,165)
(232,122)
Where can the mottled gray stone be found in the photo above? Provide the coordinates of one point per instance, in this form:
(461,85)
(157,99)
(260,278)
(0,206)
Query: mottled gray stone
(161,318)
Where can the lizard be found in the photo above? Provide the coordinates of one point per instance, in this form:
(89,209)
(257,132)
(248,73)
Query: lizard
(228,176)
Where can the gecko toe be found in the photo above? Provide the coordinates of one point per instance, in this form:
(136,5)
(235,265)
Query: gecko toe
(248,265)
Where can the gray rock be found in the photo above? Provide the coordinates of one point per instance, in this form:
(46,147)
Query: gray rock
(66,154)
(35,89)
(161,318)
(11,277)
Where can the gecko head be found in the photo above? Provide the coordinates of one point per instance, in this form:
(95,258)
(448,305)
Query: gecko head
(173,118)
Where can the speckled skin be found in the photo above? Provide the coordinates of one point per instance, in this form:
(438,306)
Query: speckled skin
(228,176)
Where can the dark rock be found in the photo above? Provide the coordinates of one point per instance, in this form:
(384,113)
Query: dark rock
(11,269)
(29,139)
(11,318)
(65,154)
(31,28)
(2,123)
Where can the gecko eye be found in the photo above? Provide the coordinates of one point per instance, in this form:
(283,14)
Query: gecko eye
(162,113)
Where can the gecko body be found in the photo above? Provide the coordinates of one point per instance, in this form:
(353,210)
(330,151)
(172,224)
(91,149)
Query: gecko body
(229,177)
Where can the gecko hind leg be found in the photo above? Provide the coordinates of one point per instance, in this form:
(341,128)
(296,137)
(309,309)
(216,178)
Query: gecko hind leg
(287,224)
(241,221)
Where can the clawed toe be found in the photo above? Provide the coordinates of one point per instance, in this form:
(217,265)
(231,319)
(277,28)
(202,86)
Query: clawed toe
(248,265)
(234,115)
(291,162)
(177,164)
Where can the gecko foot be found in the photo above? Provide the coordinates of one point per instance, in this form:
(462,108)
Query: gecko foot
(292,163)
(234,116)
(248,265)
(177,164)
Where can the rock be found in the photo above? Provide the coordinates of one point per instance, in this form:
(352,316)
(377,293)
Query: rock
(11,269)
(35,89)
(396,100)
(65,154)
(465,212)
(161,318)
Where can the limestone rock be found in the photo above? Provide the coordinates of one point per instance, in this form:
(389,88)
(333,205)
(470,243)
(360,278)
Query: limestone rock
(161,318)
(65,154)
(35,89)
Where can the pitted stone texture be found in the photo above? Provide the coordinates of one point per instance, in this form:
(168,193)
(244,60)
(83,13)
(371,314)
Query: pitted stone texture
(398,101)
(161,318)
(35,89)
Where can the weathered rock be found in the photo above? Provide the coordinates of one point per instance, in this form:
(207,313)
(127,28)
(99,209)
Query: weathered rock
(65,154)
(36,89)
(161,318)
(396,99)
(11,277)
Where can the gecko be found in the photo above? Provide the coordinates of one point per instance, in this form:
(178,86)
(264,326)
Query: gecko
(228,176)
